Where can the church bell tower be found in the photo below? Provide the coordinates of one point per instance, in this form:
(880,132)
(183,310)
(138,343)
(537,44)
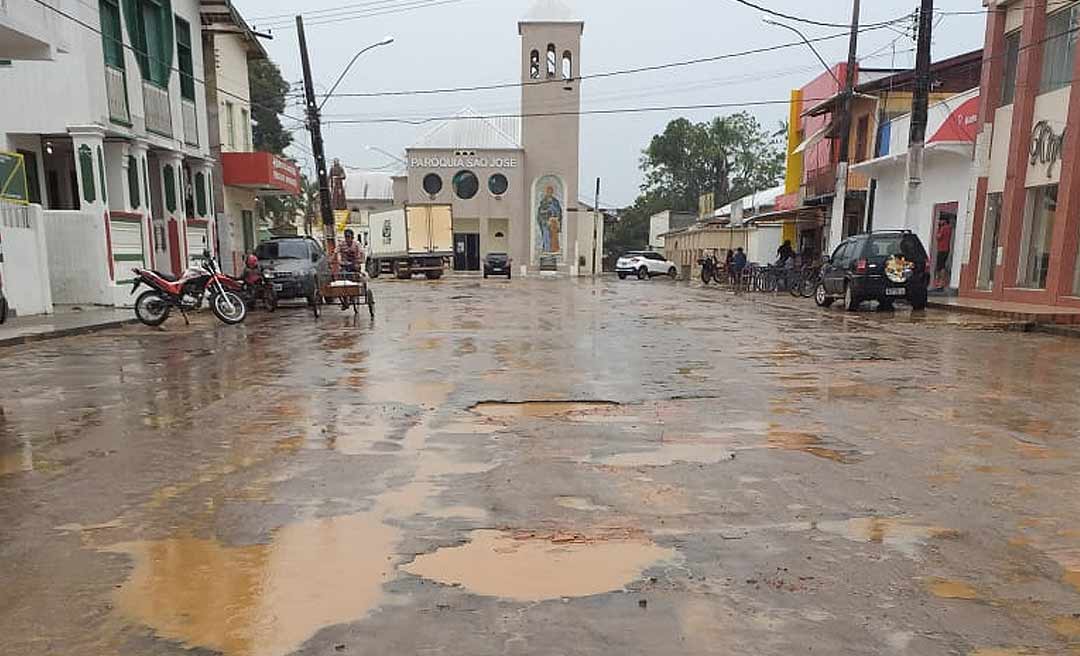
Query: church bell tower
(550,134)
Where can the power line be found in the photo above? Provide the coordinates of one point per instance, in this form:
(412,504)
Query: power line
(316,12)
(595,76)
(411,5)
(149,57)
(808,21)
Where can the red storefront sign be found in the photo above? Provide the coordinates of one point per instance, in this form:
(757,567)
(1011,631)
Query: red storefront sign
(264,172)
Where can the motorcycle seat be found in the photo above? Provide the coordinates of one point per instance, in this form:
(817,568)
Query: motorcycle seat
(168,277)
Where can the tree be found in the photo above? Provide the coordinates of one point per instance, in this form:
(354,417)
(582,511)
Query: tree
(731,157)
(268,94)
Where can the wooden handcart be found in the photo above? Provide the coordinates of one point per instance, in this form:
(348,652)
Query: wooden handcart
(349,289)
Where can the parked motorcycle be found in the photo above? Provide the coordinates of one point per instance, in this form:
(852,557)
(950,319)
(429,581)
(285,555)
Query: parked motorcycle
(186,294)
(708,269)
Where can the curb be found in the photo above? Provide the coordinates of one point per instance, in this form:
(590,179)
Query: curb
(64,332)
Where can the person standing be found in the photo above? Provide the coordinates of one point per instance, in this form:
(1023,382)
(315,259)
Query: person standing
(944,239)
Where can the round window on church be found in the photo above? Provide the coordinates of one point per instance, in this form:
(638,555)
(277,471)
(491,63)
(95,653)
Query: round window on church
(498,184)
(466,185)
(432,184)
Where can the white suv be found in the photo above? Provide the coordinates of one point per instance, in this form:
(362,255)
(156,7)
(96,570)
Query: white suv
(645,265)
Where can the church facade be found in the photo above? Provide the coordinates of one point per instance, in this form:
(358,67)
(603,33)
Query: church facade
(513,181)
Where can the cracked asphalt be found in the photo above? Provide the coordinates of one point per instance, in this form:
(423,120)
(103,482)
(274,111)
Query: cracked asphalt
(543,467)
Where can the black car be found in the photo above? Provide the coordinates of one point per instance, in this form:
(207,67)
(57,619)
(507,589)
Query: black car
(295,265)
(497,264)
(882,266)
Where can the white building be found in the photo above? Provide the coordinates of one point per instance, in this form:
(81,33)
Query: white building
(513,185)
(664,222)
(30,31)
(112,133)
(243,175)
(367,192)
(947,175)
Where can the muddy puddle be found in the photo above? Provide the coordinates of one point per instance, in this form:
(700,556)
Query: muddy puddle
(670,454)
(573,410)
(263,599)
(529,568)
(899,534)
(806,442)
(580,504)
(949,589)
(16,462)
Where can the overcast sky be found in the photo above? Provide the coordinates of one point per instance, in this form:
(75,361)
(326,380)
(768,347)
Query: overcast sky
(451,43)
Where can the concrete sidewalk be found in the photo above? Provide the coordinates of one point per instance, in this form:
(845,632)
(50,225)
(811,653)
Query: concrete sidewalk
(64,323)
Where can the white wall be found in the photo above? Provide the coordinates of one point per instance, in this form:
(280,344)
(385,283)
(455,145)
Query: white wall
(658,225)
(232,81)
(26,260)
(763,242)
(946,180)
(78,258)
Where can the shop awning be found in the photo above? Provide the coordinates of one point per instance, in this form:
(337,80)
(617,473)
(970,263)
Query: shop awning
(876,166)
(812,140)
(265,173)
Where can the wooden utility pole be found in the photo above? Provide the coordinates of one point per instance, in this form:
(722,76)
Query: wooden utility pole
(919,111)
(314,122)
(839,209)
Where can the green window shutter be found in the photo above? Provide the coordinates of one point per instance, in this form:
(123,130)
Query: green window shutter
(146,183)
(170,187)
(112,36)
(200,194)
(150,23)
(184,59)
(101,175)
(86,168)
(133,182)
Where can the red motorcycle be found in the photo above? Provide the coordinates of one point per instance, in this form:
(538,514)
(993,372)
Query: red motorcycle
(186,294)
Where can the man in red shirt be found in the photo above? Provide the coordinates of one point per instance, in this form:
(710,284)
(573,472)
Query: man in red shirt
(944,240)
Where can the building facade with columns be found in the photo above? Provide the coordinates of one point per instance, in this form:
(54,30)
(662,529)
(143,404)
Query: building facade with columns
(1025,227)
(113,134)
(513,181)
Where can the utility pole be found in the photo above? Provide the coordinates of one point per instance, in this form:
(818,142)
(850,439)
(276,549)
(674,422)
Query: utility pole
(839,209)
(595,230)
(919,110)
(315,128)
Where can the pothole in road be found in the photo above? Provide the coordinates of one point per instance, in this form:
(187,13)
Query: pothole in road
(949,589)
(545,409)
(899,534)
(528,567)
(263,599)
(808,443)
(579,503)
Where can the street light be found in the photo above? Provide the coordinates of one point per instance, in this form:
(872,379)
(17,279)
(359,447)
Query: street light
(387,40)
(809,45)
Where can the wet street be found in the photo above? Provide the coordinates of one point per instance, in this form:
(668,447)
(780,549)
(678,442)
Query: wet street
(543,467)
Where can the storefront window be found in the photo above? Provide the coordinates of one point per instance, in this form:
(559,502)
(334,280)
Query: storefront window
(1059,49)
(989,248)
(466,185)
(1038,231)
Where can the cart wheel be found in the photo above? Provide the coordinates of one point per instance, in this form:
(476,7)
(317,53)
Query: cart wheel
(316,305)
(371,304)
(355,305)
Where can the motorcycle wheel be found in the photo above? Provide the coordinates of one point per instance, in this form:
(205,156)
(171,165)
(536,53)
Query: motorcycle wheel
(706,275)
(151,309)
(3,309)
(270,299)
(229,308)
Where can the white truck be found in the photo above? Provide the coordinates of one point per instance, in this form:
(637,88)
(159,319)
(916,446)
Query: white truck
(410,240)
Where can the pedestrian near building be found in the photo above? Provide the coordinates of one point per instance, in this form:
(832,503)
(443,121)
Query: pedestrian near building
(944,238)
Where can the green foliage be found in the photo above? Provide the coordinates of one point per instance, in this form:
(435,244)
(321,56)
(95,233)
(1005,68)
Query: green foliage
(268,93)
(731,157)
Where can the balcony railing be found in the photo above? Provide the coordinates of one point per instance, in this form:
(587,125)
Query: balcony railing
(157,110)
(191,122)
(116,91)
